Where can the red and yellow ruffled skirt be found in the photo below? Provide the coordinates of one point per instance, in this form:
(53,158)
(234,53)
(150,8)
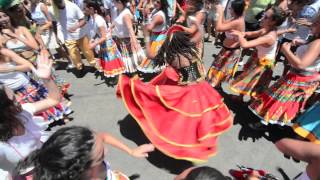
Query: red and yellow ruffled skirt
(181,121)
(280,103)
(224,67)
(258,73)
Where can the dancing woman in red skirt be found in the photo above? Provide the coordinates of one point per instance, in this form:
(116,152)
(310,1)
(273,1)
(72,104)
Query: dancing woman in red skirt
(180,113)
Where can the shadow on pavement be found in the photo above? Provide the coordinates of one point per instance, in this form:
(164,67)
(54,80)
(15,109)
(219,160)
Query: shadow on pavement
(134,176)
(243,117)
(109,81)
(62,65)
(131,130)
(283,174)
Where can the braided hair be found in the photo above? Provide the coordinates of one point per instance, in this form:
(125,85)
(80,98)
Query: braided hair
(177,44)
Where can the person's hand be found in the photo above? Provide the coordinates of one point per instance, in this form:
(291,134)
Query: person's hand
(45,51)
(291,30)
(142,151)
(304,22)
(286,47)
(298,42)
(9,33)
(134,42)
(44,65)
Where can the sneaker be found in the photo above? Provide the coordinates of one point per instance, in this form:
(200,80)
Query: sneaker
(70,66)
(67,111)
(241,63)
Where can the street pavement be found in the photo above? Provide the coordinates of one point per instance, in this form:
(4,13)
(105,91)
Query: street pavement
(96,106)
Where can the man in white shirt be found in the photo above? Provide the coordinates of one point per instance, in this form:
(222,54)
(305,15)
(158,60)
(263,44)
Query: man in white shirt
(79,3)
(71,24)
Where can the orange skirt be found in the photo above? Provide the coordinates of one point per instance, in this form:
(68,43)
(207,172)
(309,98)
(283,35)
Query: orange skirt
(181,121)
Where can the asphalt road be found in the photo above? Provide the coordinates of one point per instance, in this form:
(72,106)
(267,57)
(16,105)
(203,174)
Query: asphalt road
(95,105)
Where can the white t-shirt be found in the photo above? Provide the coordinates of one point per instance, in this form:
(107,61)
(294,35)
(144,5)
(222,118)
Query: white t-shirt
(19,147)
(94,24)
(108,4)
(38,16)
(5,175)
(121,30)
(163,26)
(79,3)
(69,17)
(13,80)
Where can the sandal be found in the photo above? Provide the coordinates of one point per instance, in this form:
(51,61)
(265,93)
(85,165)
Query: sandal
(244,172)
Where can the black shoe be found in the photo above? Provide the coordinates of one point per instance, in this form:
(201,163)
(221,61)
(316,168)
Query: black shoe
(80,73)
(258,126)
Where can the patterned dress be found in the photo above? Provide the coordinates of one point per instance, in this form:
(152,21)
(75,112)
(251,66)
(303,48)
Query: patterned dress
(224,67)
(261,64)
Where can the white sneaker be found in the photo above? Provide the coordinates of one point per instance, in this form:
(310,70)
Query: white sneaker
(241,63)
(70,66)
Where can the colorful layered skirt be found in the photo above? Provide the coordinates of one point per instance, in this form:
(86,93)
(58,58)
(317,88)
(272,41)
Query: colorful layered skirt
(280,103)
(130,56)
(183,122)
(34,92)
(110,58)
(259,72)
(148,65)
(308,124)
(224,67)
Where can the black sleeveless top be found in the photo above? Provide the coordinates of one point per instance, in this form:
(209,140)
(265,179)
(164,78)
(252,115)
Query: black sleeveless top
(191,74)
